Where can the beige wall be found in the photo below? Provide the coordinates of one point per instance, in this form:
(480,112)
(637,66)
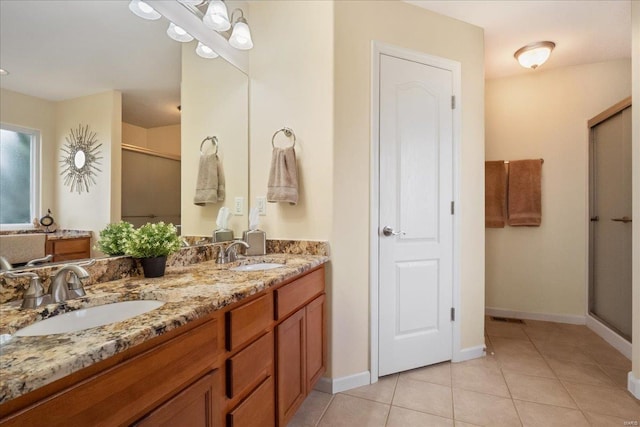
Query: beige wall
(544,114)
(101,205)
(292,85)
(635,14)
(164,139)
(35,113)
(214,99)
(357,23)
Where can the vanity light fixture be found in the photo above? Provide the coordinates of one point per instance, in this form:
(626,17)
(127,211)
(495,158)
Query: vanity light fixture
(178,33)
(535,54)
(205,51)
(241,35)
(217,17)
(143,10)
(3,72)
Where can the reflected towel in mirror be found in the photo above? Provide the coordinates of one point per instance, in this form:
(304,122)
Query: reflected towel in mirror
(210,187)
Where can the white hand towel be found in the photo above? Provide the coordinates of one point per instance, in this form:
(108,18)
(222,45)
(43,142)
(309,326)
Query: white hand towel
(283,177)
(210,187)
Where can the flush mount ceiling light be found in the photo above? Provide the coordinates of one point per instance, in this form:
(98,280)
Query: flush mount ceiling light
(143,10)
(3,72)
(205,51)
(241,35)
(535,54)
(178,33)
(217,17)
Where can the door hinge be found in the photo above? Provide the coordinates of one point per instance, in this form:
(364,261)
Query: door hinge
(453,102)
(453,314)
(453,208)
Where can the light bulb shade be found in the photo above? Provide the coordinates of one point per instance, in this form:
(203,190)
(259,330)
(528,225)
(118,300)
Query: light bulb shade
(241,35)
(535,54)
(191,2)
(217,17)
(205,51)
(178,33)
(143,10)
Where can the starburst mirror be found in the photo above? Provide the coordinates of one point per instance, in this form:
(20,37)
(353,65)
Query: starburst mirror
(80,159)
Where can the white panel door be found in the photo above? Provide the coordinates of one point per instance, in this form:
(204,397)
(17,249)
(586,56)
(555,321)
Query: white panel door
(416,190)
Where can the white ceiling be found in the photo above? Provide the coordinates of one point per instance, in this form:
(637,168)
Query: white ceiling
(584,31)
(59,50)
(62,49)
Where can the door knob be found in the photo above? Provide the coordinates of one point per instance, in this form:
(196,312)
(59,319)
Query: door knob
(388,231)
(624,219)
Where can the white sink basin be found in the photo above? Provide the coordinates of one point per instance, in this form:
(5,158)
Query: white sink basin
(89,318)
(257,267)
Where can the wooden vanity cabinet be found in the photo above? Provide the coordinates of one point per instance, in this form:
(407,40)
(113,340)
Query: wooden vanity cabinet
(300,341)
(250,364)
(195,406)
(68,249)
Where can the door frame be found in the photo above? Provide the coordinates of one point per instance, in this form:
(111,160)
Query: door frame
(377,49)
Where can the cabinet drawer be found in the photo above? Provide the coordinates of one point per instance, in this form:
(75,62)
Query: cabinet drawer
(297,293)
(256,410)
(250,366)
(69,246)
(248,321)
(126,392)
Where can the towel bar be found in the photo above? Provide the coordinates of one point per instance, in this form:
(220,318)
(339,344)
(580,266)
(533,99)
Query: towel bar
(507,161)
(288,132)
(213,140)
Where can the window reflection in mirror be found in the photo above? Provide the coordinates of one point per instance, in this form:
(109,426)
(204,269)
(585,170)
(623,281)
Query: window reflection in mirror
(19,169)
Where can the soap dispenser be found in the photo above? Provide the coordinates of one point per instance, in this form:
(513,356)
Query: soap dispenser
(256,239)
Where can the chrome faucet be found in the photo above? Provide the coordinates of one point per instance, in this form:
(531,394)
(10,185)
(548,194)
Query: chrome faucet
(62,289)
(229,254)
(5,265)
(34,295)
(39,260)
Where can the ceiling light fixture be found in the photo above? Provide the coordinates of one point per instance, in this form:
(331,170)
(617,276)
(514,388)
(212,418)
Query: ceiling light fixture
(178,33)
(535,54)
(205,51)
(241,35)
(3,72)
(217,17)
(143,10)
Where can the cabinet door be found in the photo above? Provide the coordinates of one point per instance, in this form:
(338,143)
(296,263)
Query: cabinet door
(292,377)
(316,341)
(195,406)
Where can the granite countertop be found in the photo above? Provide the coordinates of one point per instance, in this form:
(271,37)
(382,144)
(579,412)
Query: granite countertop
(189,292)
(68,234)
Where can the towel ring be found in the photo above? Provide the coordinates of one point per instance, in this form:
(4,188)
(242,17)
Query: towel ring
(213,140)
(288,132)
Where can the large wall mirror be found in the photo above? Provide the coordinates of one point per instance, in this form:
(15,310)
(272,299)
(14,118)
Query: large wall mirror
(56,51)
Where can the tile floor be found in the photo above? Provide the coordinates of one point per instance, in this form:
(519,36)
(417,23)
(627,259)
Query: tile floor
(537,374)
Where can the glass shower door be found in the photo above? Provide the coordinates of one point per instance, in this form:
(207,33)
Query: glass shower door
(610,231)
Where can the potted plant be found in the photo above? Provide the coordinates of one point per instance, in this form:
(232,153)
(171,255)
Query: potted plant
(152,243)
(114,237)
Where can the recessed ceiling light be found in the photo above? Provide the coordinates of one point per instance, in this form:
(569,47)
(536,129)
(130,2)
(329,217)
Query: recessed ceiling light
(3,72)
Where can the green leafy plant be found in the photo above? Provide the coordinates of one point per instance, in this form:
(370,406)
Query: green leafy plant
(153,240)
(114,237)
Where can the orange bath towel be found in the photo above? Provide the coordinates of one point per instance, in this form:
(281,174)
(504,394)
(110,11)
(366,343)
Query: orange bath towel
(525,193)
(495,194)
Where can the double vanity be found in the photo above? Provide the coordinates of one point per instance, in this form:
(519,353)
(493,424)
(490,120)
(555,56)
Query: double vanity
(237,344)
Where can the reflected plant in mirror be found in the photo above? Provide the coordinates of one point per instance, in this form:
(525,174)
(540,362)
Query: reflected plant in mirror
(114,238)
(80,159)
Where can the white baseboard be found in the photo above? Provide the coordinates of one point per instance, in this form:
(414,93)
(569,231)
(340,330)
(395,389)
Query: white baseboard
(336,385)
(468,353)
(619,343)
(546,317)
(633,384)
